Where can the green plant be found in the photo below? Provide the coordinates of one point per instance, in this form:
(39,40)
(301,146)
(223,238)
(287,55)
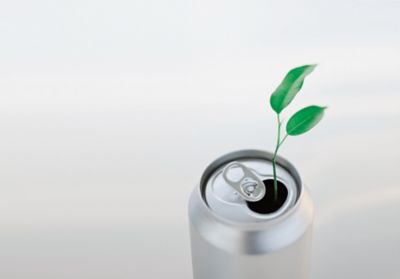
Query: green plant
(300,122)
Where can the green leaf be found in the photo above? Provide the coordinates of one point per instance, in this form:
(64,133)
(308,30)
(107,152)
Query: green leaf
(291,84)
(304,120)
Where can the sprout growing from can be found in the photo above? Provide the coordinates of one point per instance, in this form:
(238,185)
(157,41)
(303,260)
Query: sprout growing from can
(300,122)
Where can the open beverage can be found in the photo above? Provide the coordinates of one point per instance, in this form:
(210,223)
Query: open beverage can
(240,230)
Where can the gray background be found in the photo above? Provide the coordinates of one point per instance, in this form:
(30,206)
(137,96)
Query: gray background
(110,110)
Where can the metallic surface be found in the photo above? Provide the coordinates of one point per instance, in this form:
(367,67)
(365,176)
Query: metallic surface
(220,198)
(248,185)
(276,248)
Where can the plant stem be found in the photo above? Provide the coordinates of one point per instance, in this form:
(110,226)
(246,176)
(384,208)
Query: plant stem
(278,143)
(283,140)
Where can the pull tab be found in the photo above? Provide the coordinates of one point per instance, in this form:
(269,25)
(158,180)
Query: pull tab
(249,186)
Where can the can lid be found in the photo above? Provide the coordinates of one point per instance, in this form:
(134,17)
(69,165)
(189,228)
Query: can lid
(231,185)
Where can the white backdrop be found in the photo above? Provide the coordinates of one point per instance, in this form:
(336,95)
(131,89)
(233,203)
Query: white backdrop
(110,110)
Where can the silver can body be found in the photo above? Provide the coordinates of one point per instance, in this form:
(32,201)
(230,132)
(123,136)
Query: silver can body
(229,241)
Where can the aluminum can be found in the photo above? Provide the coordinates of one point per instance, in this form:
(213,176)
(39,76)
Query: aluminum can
(236,234)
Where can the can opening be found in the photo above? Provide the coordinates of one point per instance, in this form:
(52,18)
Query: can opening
(268,204)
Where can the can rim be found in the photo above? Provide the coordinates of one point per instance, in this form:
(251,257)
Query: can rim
(250,154)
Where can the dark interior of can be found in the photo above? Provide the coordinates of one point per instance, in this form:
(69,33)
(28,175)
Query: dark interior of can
(269,204)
